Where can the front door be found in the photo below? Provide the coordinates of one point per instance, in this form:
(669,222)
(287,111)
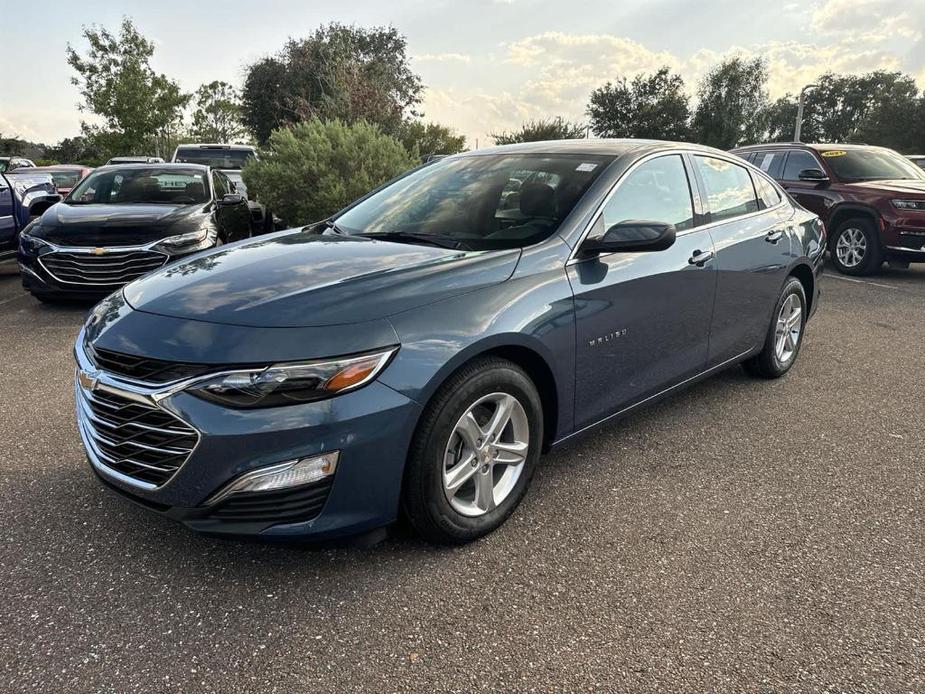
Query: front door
(642,319)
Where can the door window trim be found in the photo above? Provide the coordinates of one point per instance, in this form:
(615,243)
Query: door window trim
(696,194)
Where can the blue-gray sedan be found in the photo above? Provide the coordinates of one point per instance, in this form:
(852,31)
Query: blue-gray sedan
(416,352)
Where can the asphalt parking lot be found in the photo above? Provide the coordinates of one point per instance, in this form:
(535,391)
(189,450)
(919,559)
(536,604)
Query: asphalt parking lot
(743,536)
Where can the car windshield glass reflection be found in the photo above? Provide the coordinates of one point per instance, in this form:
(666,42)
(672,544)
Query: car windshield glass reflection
(142,185)
(478,203)
(216,158)
(871,165)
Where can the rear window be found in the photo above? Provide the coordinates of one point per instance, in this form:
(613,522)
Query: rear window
(65,179)
(216,158)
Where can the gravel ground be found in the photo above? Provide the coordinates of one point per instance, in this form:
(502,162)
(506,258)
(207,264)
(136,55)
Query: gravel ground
(742,536)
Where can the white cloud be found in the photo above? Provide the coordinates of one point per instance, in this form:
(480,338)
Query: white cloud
(442,58)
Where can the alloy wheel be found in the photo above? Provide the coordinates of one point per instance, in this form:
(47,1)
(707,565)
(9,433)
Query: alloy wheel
(851,247)
(485,454)
(788,329)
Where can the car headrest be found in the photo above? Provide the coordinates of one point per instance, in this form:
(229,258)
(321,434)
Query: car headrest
(196,190)
(537,200)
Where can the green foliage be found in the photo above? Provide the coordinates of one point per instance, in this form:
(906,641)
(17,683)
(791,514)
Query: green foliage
(649,106)
(339,72)
(882,108)
(732,104)
(426,139)
(541,130)
(217,117)
(141,110)
(314,168)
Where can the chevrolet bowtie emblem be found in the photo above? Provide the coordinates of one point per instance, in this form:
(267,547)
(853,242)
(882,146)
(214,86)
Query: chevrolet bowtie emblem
(86,381)
(98,251)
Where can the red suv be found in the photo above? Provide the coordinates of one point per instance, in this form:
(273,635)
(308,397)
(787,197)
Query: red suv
(871,199)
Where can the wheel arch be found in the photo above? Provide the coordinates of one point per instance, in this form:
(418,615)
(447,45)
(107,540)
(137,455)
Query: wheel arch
(844,212)
(804,273)
(530,355)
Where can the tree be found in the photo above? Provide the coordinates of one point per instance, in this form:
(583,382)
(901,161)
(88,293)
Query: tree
(540,130)
(347,73)
(217,117)
(141,109)
(316,167)
(649,106)
(881,108)
(733,103)
(425,139)
(77,150)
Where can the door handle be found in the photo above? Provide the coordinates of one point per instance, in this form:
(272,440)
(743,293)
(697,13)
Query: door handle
(774,236)
(701,258)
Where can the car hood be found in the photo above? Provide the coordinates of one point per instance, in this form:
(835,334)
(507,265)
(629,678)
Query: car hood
(902,186)
(117,225)
(297,279)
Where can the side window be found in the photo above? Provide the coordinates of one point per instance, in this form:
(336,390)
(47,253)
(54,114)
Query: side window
(772,163)
(798,161)
(221,187)
(657,191)
(730,192)
(767,193)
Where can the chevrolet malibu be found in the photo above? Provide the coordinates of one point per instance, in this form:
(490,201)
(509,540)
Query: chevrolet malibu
(414,354)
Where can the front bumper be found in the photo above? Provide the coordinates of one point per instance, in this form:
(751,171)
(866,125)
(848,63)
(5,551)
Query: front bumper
(371,427)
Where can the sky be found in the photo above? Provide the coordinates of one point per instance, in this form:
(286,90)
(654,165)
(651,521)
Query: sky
(488,65)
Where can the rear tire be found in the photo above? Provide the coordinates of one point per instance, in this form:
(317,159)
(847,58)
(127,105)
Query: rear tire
(465,477)
(785,334)
(856,247)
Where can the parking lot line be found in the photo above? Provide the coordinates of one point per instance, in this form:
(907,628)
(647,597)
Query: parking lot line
(851,279)
(13,298)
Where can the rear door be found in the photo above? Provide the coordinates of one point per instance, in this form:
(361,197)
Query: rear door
(752,253)
(642,319)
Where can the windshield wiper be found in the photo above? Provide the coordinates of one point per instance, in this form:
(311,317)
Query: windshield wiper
(332,225)
(439,240)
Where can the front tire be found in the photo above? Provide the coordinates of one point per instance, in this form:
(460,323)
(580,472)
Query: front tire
(785,334)
(474,453)
(856,248)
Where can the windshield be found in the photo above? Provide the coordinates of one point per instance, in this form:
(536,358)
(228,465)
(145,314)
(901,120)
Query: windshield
(479,202)
(872,164)
(216,158)
(142,185)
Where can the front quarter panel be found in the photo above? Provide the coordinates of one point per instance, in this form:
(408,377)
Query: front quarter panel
(533,310)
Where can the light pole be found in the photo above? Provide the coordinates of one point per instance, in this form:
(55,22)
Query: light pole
(799,125)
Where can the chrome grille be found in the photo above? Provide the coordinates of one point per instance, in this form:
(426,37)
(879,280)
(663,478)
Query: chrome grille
(109,269)
(133,438)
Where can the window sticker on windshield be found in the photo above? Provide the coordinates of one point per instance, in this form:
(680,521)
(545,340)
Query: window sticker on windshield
(587,166)
(834,153)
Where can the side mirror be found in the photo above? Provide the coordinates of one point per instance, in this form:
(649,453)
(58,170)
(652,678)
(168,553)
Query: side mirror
(632,237)
(229,199)
(815,175)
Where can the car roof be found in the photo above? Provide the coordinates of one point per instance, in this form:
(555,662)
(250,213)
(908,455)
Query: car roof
(215,145)
(612,146)
(819,147)
(156,165)
(62,167)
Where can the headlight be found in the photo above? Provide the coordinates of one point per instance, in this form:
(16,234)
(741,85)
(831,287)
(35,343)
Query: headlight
(30,243)
(291,384)
(182,241)
(909,204)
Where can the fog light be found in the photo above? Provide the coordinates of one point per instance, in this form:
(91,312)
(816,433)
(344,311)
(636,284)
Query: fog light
(293,473)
